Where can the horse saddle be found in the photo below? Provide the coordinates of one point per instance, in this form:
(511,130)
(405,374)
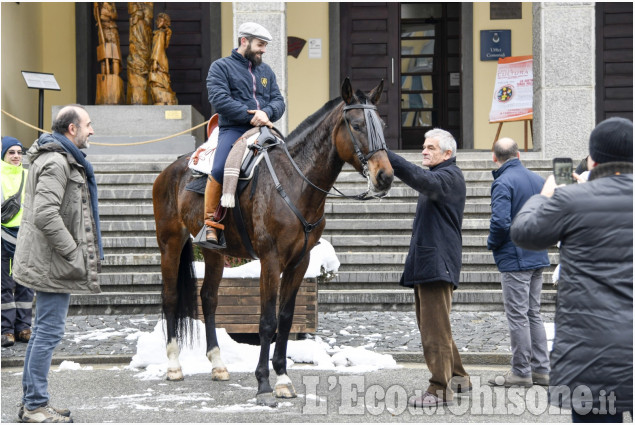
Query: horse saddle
(202,159)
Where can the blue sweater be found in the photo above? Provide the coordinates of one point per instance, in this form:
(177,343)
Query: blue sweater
(513,185)
(436,245)
(235,85)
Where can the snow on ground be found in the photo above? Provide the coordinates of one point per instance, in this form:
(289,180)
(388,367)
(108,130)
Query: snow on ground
(311,353)
(322,256)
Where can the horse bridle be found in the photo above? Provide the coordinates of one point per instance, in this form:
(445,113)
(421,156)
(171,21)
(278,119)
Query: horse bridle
(376,143)
(374,132)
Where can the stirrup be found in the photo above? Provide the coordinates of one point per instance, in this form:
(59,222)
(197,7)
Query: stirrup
(201,239)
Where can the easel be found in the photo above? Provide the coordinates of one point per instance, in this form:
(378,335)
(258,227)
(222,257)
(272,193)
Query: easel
(531,125)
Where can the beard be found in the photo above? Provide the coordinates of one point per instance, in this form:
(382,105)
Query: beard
(254,58)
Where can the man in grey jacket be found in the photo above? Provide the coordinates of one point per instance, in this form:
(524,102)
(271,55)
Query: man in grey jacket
(58,249)
(592,357)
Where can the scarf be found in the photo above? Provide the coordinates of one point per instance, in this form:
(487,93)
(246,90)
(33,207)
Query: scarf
(80,157)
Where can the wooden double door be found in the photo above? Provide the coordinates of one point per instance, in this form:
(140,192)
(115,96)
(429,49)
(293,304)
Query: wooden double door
(415,49)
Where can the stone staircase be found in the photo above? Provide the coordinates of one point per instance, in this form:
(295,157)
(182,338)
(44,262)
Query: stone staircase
(371,240)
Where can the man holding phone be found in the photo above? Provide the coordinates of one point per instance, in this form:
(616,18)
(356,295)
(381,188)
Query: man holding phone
(521,270)
(593,345)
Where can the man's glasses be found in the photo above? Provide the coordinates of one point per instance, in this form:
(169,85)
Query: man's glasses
(14,152)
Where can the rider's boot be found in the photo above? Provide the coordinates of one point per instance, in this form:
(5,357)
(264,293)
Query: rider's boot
(213,192)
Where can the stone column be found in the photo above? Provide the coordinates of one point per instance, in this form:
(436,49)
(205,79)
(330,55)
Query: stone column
(273,17)
(564,78)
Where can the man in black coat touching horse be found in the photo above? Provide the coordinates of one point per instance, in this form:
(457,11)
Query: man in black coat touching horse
(433,264)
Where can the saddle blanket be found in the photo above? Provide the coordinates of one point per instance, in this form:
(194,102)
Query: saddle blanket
(202,159)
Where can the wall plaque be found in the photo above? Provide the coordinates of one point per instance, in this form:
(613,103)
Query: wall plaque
(495,44)
(173,115)
(505,10)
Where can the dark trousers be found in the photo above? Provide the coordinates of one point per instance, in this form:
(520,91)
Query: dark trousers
(227,136)
(433,302)
(17,300)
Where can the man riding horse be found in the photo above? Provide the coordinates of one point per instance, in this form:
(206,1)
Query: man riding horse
(244,92)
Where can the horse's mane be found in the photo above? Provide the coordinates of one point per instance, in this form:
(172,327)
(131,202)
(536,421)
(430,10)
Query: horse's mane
(309,125)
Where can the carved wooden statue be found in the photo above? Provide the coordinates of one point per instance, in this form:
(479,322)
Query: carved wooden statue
(159,79)
(109,83)
(141,14)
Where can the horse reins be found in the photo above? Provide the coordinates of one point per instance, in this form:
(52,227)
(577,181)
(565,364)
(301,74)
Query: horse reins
(376,143)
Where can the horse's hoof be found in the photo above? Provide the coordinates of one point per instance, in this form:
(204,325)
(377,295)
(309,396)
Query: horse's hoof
(266,399)
(285,391)
(220,374)
(175,375)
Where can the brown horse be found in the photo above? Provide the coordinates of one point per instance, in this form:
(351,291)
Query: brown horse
(343,130)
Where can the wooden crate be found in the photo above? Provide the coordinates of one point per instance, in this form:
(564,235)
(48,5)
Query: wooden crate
(238,308)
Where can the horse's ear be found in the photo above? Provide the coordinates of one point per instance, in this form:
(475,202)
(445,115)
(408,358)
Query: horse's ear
(375,94)
(347,91)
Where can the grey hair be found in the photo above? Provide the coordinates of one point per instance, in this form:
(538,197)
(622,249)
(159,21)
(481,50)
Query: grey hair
(66,117)
(445,138)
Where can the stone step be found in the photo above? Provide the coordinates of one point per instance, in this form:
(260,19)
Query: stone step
(395,241)
(394,224)
(399,258)
(331,225)
(328,300)
(482,300)
(366,277)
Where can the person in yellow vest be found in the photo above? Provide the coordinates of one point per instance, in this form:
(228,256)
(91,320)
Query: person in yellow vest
(17,300)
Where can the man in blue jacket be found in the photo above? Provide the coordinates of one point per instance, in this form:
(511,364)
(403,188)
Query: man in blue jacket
(433,264)
(244,92)
(521,270)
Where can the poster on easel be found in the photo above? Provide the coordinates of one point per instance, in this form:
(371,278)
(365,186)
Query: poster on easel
(513,91)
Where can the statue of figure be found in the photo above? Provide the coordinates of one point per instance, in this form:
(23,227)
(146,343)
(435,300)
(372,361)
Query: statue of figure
(159,79)
(109,83)
(141,14)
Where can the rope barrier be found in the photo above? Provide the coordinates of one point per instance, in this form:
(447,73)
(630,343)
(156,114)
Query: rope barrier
(113,144)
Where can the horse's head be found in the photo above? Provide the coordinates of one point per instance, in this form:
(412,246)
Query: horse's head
(359,138)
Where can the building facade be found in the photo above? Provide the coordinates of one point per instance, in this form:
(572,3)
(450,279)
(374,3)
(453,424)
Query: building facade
(428,54)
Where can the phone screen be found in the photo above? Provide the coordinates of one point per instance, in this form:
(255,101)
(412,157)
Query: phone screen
(562,170)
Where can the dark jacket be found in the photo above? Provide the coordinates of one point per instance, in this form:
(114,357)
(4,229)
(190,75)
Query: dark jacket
(593,345)
(234,86)
(57,248)
(513,185)
(435,248)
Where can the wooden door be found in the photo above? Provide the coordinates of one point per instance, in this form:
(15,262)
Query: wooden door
(415,47)
(369,53)
(614,60)
(430,64)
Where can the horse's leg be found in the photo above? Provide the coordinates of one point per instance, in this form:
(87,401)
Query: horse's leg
(170,263)
(269,280)
(291,281)
(214,264)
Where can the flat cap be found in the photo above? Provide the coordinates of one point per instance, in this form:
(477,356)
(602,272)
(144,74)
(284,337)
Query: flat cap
(252,29)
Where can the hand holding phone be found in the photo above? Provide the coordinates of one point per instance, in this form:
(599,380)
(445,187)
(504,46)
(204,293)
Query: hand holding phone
(563,170)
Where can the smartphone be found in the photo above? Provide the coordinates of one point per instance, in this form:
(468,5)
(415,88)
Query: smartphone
(563,170)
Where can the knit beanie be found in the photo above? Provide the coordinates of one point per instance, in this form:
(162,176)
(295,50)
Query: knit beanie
(7,142)
(612,141)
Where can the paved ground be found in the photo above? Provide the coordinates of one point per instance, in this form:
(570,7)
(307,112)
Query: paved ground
(481,337)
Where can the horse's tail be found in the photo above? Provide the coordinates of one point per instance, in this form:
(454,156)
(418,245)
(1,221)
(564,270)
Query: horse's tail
(187,304)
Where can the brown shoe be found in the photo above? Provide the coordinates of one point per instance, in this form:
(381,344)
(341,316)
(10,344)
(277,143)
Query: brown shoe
(210,235)
(7,340)
(23,335)
(428,400)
